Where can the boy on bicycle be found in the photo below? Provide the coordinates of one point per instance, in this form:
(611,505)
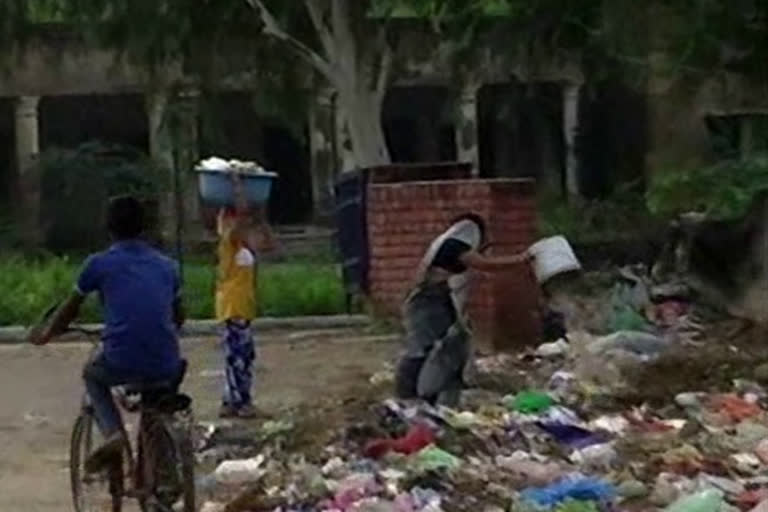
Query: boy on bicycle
(139,290)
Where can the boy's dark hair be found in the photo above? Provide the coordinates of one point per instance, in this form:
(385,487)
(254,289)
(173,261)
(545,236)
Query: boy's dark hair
(125,217)
(473,217)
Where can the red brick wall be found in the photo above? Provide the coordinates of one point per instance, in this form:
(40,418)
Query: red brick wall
(403,219)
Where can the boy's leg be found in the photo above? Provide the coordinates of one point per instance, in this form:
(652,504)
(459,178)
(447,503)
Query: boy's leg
(99,379)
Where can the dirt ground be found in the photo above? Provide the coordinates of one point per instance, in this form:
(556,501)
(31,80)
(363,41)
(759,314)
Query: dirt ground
(40,390)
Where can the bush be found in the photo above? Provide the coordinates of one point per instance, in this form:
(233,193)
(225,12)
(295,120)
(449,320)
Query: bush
(87,176)
(621,216)
(287,289)
(723,191)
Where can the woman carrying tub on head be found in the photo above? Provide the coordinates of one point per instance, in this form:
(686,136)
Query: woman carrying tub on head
(437,334)
(240,241)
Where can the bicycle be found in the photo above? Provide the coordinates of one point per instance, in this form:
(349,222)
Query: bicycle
(157,468)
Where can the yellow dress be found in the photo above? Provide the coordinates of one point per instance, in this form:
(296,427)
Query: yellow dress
(236,284)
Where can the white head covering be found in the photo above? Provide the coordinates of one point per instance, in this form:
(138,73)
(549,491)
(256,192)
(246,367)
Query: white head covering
(466,231)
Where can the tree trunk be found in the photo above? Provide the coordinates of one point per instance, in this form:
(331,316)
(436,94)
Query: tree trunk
(362,113)
(571,94)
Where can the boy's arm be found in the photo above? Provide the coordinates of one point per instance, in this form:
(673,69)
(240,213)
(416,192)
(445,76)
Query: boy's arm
(88,282)
(63,316)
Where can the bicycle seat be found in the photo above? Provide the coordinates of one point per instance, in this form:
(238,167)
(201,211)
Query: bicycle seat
(163,386)
(139,388)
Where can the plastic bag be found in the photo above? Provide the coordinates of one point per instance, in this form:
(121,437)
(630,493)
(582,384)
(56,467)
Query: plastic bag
(710,500)
(579,489)
(433,458)
(529,402)
(236,472)
(571,435)
(417,438)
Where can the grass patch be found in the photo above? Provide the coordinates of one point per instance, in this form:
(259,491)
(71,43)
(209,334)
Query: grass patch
(285,289)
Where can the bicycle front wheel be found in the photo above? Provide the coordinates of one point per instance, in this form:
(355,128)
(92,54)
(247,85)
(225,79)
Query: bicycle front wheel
(98,492)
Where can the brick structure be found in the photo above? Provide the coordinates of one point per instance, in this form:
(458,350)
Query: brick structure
(403,218)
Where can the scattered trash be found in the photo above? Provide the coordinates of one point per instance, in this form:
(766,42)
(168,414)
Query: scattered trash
(433,458)
(529,402)
(236,472)
(573,436)
(599,457)
(529,471)
(210,506)
(639,343)
(734,408)
(762,451)
(578,489)
(600,420)
(705,501)
(558,348)
(420,436)
(36,420)
(632,489)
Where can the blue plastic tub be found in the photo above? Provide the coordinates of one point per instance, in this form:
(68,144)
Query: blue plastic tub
(216,188)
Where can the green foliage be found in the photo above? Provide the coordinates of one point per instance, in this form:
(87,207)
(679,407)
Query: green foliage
(702,37)
(623,215)
(722,191)
(287,289)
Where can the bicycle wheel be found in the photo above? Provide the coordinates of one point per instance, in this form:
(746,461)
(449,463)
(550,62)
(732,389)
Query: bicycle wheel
(168,465)
(91,493)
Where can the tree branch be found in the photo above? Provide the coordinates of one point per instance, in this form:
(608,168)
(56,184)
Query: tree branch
(385,68)
(272,28)
(385,62)
(318,20)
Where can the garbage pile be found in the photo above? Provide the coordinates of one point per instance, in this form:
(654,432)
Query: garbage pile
(571,426)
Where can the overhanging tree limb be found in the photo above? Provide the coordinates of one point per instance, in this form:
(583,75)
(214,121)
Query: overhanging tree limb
(272,27)
(317,17)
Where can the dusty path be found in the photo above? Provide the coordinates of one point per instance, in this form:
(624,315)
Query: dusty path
(40,390)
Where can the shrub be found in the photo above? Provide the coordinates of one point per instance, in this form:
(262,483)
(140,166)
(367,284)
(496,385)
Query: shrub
(623,215)
(723,191)
(86,177)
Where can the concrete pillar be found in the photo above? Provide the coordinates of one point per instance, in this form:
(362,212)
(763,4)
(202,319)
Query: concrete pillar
(467,149)
(323,159)
(571,95)
(27,155)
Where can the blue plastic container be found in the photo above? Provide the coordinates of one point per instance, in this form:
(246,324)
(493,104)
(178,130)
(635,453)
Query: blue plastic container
(216,188)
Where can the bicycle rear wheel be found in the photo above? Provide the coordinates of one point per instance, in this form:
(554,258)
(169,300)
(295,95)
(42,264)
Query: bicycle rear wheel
(168,465)
(91,493)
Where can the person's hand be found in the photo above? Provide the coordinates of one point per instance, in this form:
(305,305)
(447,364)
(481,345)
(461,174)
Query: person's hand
(39,335)
(260,214)
(527,257)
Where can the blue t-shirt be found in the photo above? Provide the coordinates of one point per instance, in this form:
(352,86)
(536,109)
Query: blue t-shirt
(137,287)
